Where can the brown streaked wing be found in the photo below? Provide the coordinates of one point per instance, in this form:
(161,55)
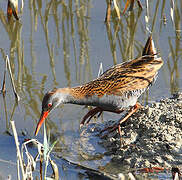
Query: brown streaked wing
(134,75)
(129,76)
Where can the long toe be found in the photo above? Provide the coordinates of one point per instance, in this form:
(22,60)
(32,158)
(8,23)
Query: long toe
(109,129)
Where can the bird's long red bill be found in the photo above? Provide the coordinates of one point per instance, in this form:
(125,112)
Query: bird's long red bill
(43,116)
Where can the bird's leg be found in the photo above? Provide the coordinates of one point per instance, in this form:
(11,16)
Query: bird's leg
(114,127)
(90,114)
(93,112)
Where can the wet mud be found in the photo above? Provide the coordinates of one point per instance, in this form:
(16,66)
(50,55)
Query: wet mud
(151,137)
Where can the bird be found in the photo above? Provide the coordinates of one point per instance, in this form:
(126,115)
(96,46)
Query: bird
(12,8)
(116,90)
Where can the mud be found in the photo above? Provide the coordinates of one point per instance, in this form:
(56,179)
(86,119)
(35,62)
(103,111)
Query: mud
(151,137)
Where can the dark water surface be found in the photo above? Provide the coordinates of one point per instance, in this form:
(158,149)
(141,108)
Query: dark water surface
(62,43)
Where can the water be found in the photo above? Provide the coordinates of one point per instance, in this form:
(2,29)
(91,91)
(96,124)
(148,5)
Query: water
(62,43)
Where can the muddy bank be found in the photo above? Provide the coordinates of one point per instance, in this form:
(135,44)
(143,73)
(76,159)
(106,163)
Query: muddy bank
(151,137)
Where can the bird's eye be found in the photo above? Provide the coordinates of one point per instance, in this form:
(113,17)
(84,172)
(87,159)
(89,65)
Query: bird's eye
(49,105)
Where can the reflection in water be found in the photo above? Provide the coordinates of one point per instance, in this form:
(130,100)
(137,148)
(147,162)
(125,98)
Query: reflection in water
(6,113)
(175,50)
(124,37)
(172,62)
(56,43)
(13,29)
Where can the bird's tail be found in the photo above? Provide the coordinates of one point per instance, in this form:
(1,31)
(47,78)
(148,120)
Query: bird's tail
(149,48)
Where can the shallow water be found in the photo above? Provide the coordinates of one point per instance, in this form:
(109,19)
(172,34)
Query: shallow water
(62,43)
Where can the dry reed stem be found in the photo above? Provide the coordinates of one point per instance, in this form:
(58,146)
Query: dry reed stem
(55,170)
(19,158)
(3,90)
(11,77)
(139,4)
(108,11)
(116,8)
(100,70)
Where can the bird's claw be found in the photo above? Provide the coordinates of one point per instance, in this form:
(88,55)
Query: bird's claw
(109,129)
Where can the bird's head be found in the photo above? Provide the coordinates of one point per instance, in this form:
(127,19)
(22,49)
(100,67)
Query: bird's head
(50,101)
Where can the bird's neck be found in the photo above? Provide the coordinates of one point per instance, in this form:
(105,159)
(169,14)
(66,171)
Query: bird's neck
(70,95)
(63,94)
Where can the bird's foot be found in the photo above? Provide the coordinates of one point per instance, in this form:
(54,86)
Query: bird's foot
(86,119)
(110,129)
(121,121)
